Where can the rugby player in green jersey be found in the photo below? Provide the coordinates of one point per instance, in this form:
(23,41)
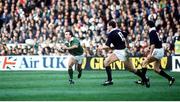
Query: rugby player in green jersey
(76,54)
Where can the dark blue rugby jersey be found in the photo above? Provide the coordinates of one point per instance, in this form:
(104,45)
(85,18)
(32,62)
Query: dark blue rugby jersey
(154,39)
(117,38)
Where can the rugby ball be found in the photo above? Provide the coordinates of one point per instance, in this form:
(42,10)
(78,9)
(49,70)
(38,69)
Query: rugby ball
(29,42)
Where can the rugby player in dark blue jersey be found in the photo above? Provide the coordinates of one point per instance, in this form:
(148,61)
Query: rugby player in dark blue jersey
(155,54)
(117,38)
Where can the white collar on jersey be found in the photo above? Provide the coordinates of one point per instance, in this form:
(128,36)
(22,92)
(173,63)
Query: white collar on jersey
(67,41)
(151,29)
(71,39)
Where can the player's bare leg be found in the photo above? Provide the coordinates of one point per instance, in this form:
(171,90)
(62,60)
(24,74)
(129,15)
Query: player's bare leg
(158,70)
(128,64)
(144,70)
(145,63)
(111,58)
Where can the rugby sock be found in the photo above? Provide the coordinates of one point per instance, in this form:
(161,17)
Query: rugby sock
(108,71)
(79,69)
(70,72)
(162,73)
(140,74)
(144,71)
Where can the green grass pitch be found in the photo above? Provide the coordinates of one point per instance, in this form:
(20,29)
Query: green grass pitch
(54,86)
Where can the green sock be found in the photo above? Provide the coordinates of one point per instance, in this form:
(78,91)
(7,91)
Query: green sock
(70,72)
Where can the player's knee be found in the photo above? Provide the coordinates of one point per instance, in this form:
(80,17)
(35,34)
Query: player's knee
(79,65)
(143,65)
(105,63)
(157,70)
(70,66)
(129,67)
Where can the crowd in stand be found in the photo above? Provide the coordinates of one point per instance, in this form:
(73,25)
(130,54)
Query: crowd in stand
(43,23)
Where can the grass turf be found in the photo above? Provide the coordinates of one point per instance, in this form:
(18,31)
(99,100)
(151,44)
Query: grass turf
(54,85)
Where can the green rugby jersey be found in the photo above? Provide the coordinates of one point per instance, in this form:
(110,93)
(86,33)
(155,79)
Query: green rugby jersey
(76,51)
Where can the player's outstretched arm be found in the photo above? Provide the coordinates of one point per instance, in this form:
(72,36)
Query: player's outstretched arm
(69,48)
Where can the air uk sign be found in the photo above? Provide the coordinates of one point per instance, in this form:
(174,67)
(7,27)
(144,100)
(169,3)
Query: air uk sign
(33,63)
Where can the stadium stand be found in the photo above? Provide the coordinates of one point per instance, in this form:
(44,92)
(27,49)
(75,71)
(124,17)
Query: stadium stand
(36,27)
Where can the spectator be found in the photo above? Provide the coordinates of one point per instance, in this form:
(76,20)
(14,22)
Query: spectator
(47,20)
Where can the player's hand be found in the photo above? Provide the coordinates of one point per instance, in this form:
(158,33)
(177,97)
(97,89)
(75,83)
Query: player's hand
(59,48)
(64,47)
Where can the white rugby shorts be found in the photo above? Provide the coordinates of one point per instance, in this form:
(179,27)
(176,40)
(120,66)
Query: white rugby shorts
(78,58)
(121,54)
(158,53)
